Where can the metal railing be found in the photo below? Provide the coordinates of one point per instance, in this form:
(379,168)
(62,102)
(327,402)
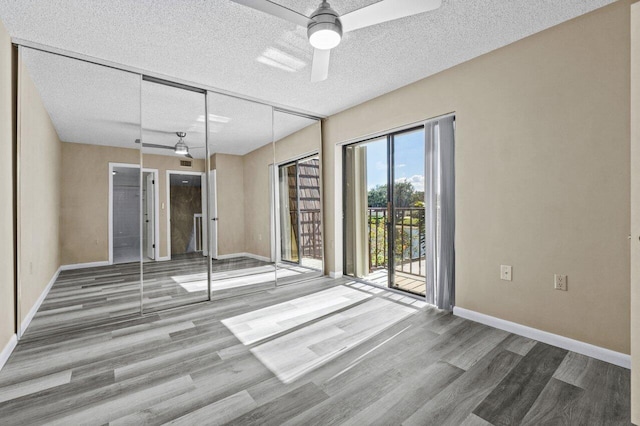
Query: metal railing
(310,240)
(409,240)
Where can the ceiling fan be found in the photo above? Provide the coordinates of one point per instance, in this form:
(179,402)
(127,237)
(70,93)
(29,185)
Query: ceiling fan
(325,27)
(180,147)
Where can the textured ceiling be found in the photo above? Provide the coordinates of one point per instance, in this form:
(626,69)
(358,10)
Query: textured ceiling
(225,45)
(98,105)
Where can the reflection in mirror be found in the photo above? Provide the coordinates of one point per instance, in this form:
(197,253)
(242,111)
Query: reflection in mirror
(174,258)
(241,154)
(297,198)
(77,147)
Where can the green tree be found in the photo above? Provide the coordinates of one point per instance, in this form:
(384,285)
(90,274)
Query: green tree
(377,197)
(417,199)
(403,193)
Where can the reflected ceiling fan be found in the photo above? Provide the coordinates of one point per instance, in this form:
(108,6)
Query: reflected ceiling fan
(325,27)
(180,147)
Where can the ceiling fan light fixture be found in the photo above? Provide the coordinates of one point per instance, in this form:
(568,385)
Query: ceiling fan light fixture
(324,29)
(325,39)
(181,148)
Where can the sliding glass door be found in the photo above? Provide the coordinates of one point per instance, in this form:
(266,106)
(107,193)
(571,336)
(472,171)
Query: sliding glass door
(407,222)
(384,223)
(289,224)
(300,224)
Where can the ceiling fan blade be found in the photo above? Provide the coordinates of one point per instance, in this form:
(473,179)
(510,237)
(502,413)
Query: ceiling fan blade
(188,155)
(276,10)
(384,11)
(153,145)
(320,67)
(164,132)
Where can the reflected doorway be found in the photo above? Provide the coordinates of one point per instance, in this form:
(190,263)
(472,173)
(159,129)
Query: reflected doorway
(185,201)
(300,223)
(124,194)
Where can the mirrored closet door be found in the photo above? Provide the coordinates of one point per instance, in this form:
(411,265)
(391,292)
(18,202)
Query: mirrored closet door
(241,158)
(79,189)
(174,195)
(297,198)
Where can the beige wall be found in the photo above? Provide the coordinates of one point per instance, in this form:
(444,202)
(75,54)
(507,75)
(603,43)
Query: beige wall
(305,141)
(230,198)
(39,195)
(635,213)
(84,235)
(542,174)
(7,290)
(257,203)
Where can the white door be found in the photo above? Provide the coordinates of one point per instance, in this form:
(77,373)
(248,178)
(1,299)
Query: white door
(213,209)
(150,224)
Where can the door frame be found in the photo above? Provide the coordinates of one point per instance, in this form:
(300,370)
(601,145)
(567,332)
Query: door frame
(390,224)
(203,190)
(156,210)
(275,205)
(211,247)
(113,165)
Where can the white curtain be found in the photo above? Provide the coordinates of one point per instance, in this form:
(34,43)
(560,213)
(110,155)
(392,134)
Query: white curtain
(440,212)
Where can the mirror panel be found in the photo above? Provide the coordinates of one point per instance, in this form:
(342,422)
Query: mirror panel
(77,146)
(298,198)
(241,161)
(174,256)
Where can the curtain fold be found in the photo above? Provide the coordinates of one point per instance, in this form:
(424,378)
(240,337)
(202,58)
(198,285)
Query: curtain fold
(445,289)
(440,212)
(431,213)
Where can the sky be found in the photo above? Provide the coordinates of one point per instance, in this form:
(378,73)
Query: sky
(409,160)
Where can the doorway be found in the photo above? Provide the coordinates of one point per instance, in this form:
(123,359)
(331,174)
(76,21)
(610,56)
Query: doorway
(385,223)
(125,243)
(186,227)
(124,211)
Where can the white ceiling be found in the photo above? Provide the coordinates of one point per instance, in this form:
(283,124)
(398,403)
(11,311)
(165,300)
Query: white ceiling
(225,45)
(97,105)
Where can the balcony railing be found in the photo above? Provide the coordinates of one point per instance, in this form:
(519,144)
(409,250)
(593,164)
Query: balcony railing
(408,239)
(310,240)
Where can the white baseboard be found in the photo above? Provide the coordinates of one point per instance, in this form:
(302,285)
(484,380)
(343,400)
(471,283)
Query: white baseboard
(335,274)
(577,346)
(251,255)
(8,349)
(164,258)
(27,320)
(84,265)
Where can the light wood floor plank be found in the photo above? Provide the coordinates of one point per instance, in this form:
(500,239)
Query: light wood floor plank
(351,354)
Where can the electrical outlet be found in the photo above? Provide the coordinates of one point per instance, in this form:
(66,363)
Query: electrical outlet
(505,272)
(560,282)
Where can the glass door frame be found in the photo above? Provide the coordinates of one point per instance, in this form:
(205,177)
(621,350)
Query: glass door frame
(391,221)
(276,211)
(296,162)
